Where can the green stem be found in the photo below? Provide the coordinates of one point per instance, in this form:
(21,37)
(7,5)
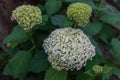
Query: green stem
(98,10)
(32,48)
(75,26)
(32,40)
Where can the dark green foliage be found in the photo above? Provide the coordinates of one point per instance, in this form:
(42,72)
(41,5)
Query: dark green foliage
(58,20)
(18,65)
(39,62)
(93,28)
(18,35)
(53,6)
(111,18)
(116,47)
(52,74)
(28,58)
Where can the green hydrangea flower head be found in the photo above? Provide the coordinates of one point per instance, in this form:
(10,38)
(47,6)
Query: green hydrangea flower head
(79,12)
(97,69)
(27,16)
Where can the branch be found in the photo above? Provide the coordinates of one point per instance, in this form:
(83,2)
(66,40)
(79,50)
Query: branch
(116,26)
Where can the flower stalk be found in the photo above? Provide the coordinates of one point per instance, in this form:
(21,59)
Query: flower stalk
(32,40)
(98,10)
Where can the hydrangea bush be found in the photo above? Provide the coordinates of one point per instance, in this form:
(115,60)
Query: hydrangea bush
(53,41)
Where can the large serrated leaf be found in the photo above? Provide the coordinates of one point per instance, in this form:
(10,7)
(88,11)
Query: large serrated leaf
(68,23)
(83,77)
(18,65)
(52,74)
(52,6)
(116,47)
(93,28)
(116,71)
(107,69)
(58,20)
(18,35)
(97,48)
(106,34)
(112,18)
(107,72)
(39,62)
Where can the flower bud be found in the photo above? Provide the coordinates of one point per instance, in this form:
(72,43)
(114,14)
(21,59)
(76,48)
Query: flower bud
(97,69)
(12,45)
(79,12)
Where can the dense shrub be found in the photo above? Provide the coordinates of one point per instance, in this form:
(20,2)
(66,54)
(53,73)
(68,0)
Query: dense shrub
(64,40)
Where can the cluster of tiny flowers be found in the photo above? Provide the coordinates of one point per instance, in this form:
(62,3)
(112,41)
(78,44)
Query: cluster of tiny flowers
(79,12)
(97,69)
(68,49)
(27,16)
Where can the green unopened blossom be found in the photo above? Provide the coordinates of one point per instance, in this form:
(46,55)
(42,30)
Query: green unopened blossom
(12,45)
(68,49)
(97,69)
(27,16)
(79,12)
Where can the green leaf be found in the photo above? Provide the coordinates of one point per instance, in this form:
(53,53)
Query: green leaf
(111,17)
(12,52)
(58,20)
(39,62)
(95,43)
(109,8)
(18,35)
(95,61)
(40,38)
(44,21)
(93,28)
(18,65)
(52,74)
(53,6)
(107,69)
(107,34)
(41,8)
(106,77)
(116,47)
(90,73)
(68,23)
(45,17)
(116,71)
(107,72)
(83,77)
(45,26)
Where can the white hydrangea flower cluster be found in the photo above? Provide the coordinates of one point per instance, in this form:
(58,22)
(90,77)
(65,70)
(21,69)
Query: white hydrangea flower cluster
(68,49)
